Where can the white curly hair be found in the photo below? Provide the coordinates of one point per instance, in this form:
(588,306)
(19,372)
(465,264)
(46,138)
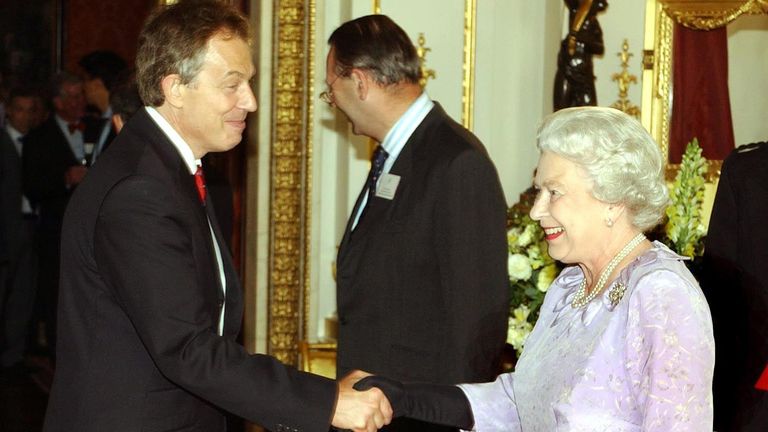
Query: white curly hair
(622,160)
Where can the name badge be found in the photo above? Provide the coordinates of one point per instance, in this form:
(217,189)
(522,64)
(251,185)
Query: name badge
(387,186)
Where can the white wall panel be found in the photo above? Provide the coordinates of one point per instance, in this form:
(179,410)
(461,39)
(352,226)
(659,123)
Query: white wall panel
(747,72)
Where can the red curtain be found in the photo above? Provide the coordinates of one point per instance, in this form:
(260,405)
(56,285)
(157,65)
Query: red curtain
(701,107)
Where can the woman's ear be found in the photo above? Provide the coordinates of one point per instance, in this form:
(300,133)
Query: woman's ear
(173,90)
(613,213)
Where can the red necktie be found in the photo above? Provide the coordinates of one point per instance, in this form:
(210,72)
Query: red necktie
(78,126)
(200,183)
(762,383)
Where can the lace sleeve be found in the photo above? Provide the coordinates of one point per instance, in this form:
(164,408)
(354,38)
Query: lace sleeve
(670,353)
(493,405)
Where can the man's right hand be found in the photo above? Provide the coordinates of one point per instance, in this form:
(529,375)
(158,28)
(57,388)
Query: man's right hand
(360,410)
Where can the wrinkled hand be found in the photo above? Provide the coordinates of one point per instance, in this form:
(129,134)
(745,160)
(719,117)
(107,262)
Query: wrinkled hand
(360,410)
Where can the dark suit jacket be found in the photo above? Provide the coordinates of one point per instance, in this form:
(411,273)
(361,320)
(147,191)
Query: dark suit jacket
(47,156)
(422,285)
(139,308)
(10,194)
(10,191)
(735,262)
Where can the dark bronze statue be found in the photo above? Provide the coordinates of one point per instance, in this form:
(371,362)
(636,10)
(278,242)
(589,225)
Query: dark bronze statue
(575,79)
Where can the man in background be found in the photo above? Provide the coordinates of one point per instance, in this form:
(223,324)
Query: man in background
(18,228)
(735,259)
(125,101)
(54,163)
(422,286)
(151,305)
(102,69)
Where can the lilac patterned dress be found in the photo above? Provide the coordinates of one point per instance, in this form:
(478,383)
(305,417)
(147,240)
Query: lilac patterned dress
(639,357)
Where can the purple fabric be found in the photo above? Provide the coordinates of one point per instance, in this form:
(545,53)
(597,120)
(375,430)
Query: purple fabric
(641,361)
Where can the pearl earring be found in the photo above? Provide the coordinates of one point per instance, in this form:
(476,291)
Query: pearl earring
(609,222)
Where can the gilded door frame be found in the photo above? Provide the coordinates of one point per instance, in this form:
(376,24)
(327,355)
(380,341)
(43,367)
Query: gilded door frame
(660,16)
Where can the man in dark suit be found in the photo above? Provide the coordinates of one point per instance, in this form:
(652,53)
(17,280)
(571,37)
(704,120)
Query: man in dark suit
(54,163)
(422,286)
(103,70)
(734,281)
(18,226)
(150,303)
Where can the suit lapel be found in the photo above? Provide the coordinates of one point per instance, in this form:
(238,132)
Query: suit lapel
(232,295)
(170,157)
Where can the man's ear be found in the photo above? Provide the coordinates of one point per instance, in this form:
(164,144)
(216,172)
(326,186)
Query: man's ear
(173,90)
(362,83)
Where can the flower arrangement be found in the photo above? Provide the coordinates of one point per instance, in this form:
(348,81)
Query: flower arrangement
(684,231)
(530,269)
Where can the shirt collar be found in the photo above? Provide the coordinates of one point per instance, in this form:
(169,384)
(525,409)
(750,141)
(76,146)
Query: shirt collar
(396,138)
(63,124)
(183,148)
(13,132)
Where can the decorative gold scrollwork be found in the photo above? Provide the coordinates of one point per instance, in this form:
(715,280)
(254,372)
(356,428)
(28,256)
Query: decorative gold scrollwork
(708,15)
(624,79)
(421,51)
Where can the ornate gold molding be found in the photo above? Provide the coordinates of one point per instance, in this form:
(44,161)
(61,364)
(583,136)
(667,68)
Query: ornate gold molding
(290,162)
(468,67)
(310,99)
(664,83)
(707,15)
(657,74)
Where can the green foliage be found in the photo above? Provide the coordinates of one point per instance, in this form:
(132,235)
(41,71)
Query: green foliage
(684,230)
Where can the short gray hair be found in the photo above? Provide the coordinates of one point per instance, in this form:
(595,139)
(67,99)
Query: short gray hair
(622,160)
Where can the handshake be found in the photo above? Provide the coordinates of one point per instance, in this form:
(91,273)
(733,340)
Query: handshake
(367,403)
(364,410)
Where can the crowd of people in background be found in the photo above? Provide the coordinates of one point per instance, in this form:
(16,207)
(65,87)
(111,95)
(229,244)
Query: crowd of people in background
(50,134)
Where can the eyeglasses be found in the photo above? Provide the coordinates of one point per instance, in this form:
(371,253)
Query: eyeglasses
(327,96)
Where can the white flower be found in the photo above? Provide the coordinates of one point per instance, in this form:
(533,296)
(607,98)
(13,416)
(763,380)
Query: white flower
(535,256)
(546,276)
(519,267)
(527,236)
(512,235)
(519,328)
(521,313)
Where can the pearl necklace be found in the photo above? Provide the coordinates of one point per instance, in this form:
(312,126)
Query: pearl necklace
(581,298)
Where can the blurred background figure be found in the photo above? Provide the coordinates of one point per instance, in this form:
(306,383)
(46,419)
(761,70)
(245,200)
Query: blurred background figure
(54,162)
(102,70)
(124,100)
(18,226)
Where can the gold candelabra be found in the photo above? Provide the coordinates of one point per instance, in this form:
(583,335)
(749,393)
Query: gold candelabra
(624,79)
(421,51)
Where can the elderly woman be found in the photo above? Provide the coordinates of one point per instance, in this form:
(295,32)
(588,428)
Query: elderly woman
(624,338)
